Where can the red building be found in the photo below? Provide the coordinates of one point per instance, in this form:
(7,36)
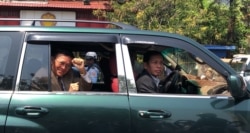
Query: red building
(52,9)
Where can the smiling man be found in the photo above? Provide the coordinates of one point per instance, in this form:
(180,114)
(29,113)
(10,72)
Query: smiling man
(63,77)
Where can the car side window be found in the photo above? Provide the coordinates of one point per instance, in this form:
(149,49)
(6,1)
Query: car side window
(182,73)
(5,49)
(9,53)
(4,54)
(37,62)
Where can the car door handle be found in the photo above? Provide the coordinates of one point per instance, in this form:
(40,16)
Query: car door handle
(31,111)
(155,114)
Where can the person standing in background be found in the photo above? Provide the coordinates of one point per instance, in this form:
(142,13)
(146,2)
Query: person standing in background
(91,67)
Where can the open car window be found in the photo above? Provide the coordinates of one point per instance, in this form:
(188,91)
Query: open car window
(102,73)
(197,77)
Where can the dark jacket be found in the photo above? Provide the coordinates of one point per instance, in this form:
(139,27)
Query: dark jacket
(40,81)
(145,83)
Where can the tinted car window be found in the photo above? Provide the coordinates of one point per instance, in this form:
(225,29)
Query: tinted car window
(5,49)
(9,56)
(35,61)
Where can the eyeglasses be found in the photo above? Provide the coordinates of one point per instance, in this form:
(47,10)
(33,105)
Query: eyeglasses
(62,63)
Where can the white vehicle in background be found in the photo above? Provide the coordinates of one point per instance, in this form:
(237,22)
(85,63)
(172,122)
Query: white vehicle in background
(241,64)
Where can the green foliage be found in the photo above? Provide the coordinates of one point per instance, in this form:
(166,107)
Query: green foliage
(207,21)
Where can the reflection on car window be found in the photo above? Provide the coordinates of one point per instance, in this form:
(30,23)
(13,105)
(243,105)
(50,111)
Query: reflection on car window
(4,54)
(35,60)
(192,75)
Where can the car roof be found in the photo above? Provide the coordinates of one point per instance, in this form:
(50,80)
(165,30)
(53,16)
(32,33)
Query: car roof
(120,28)
(112,28)
(127,30)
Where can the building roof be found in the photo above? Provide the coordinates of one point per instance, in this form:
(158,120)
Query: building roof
(59,4)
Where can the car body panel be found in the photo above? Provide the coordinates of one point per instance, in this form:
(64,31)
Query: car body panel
(4,103)
(188,114)
(62,112)
(176,113)
(31,111)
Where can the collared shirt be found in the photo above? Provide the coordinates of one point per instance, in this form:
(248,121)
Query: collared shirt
(60,82)
(156,80)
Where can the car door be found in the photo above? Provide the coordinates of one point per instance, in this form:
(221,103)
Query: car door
(9,52)
(65,112)
(180,112)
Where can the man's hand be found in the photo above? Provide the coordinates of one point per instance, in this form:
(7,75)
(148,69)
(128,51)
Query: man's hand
(74,87)
(79,64)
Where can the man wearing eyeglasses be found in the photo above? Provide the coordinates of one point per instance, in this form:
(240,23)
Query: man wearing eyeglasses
(63,77)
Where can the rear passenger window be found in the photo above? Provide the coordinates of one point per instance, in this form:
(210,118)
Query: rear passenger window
(4,52)
(99,59)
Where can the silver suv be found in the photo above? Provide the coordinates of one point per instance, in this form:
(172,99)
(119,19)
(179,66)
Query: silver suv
(241,64)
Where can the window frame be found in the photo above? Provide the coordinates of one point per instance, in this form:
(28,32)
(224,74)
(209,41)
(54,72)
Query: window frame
(50,38)
(182,43)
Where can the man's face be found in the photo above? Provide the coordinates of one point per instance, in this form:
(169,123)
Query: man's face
(155,65)
(89,61)
(61,64)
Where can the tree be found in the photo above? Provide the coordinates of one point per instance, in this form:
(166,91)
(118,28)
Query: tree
(207,21)
(236,29)
(246,18)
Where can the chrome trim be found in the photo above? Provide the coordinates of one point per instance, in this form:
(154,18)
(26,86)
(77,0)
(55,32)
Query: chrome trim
(70,93)
(32,22)
(120,68)
(2,92)
(130,80)
(19,72)
(181,96)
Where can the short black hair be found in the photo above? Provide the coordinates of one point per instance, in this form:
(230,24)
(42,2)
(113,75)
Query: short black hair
(55,52)
(149,54)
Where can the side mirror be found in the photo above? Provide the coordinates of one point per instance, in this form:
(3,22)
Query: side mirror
(237,86)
